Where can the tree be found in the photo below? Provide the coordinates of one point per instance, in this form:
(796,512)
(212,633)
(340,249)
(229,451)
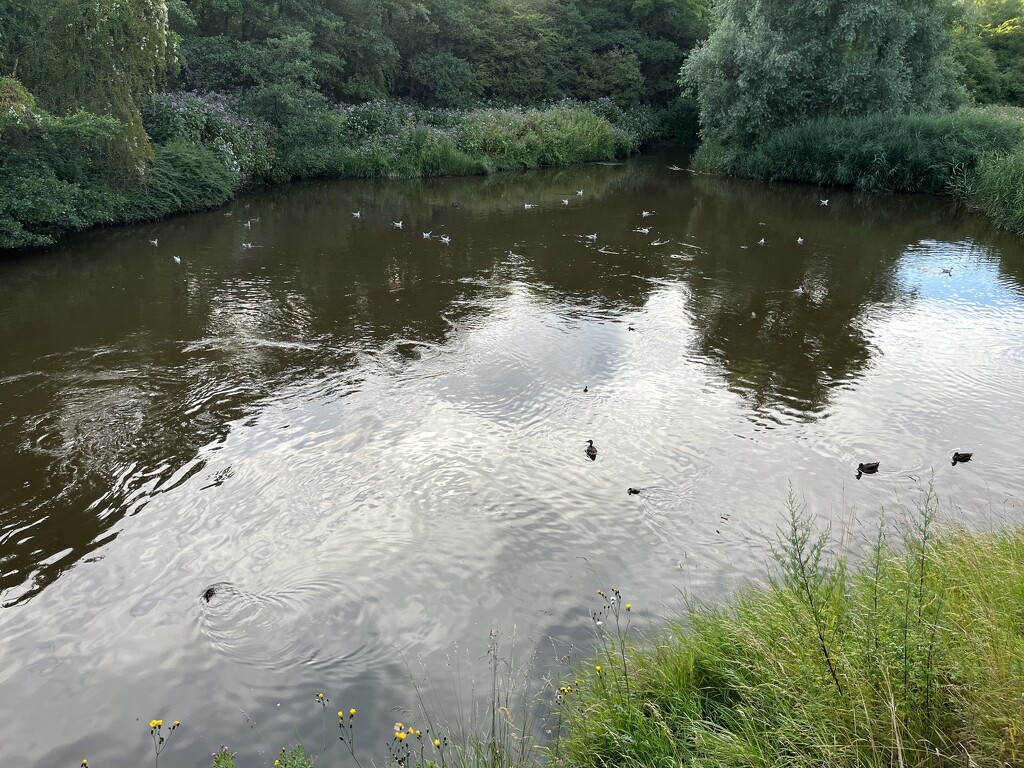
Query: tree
(98,56)
(773,63)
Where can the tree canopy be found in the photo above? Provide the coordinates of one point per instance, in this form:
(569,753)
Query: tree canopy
(772,63)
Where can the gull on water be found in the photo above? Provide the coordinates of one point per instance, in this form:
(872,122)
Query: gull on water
(591,237)
(445,239)
(579,193)
(565,201)
(154,242)
(426,235)
(357,214)
(824,201)
(643,230)
(177,259)
(396,224)
(761,242)
(528,206)
(645,214)
(799,241)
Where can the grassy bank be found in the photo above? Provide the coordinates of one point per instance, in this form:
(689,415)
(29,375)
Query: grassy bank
(64,174)
(976,154)
(915,657)
(909,654)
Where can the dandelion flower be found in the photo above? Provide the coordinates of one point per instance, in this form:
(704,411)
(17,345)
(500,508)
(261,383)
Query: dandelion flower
(629,606)
(597,667)
(352,712)
(400,736)
(341,714)
(177,723)
(437,743)
(155,723)
(277,762)
(419,733)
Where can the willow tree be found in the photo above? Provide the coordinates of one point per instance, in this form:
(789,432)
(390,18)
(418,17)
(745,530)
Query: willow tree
(773,63)
(98,56)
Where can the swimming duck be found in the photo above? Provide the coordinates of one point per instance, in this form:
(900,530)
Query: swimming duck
(867,469)
(209,593)
(591,450)
(586,389)
(633,491)
(961,458)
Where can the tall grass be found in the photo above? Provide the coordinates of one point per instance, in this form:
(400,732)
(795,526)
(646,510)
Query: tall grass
(913,658)
(997,189)
(889,152)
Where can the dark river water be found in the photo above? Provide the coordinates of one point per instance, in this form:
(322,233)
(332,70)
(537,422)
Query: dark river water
(371,443)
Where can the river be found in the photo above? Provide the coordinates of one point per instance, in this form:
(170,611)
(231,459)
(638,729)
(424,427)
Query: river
(370,443)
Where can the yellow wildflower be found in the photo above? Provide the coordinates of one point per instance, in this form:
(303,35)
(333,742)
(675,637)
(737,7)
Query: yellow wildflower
(437,742)
(352,712)
(597,667)
(155,723)
(177,723)
(399,727)
(419,733)
(629,606)
(341,714)
(277,762)
(400,736)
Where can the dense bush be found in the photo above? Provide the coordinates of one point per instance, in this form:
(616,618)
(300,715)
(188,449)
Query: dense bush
(245,145)
(910,153)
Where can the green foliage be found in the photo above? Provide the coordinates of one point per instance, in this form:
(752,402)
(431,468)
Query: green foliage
(770,64)
(997,189)
(244,144)
(908,153)
(126,44)
(183,177)
(913,658)
(295,757)
(989,44)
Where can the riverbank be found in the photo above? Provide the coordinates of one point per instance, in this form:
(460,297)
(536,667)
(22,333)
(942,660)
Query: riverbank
(976,155)
(911,656)
(68,173)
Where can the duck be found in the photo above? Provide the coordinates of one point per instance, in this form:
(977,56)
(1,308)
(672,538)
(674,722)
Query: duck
(961,458)
(209,593)
(586,388)
(867,469)
(948,271)
(633,491)
(591,450)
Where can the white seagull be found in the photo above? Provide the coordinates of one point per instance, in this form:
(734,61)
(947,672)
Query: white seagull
(396,224)
(799,241)
(592,237)
(248,224)
(445,239)
(761,241)
(154,242)
(528,206)
(426,235)
(177,259)
(643,230)
(645,214)
(565,201)
(357,214)
(579,193)
(824,201)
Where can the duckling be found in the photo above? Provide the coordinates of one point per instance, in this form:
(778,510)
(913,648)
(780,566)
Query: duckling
(591,450)
(867,469)
(961,458)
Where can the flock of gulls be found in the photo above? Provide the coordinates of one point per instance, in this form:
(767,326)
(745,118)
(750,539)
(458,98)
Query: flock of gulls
(864,468)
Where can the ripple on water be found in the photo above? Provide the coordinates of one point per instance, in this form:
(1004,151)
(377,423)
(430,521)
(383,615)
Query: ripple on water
(303,625)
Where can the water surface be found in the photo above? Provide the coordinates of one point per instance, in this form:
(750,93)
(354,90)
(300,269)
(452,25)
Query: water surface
(371,443)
